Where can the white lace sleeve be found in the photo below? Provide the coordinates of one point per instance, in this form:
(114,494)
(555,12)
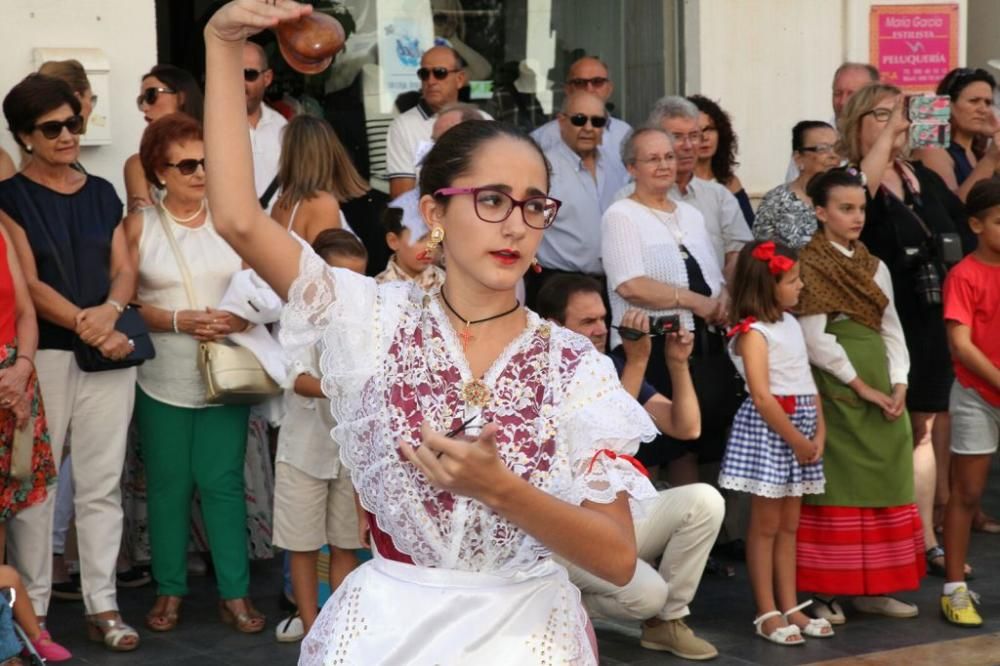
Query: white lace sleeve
(601,423)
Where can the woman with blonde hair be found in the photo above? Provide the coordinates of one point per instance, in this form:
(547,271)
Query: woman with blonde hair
(73,73)
(917,226)
(316,176)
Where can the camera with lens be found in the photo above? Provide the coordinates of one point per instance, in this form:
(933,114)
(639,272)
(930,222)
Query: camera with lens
(664,324)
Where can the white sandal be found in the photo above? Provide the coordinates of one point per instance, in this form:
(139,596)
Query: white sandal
(781,634)
(113,633)
(816,627)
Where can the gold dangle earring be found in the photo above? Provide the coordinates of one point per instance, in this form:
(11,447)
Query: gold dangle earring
(437,235)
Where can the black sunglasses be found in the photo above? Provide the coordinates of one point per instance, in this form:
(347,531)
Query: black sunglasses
(188,167)
(580,119)
(593,82)
(150,95)
(53,128)
(251,75)
(440,73)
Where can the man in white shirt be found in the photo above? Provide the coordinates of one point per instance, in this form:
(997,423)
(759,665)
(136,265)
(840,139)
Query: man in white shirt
(585,178)
(588,74)
(266,124)
(441,76)
(724,220)
(847,80)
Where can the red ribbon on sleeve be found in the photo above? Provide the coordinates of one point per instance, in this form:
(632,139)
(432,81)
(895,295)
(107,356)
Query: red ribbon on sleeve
(776,263)
(742,327)
(614,456)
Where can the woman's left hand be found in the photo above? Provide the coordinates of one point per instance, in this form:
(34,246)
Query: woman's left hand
(898,403)
(21,411)
(13,382)
(95,324)
(116,347)
(225,323)
(463,467)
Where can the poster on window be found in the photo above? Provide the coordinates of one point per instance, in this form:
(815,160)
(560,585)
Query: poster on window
(405,31)
(914,46)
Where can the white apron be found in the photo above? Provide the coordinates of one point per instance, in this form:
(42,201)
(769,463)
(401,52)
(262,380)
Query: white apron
(407,615)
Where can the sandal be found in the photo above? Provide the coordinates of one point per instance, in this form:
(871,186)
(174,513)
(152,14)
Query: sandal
(815,627)
(248,622)
(829,610)
(114,633)
(935,568)
(781,634)
(985,524)
(168,618)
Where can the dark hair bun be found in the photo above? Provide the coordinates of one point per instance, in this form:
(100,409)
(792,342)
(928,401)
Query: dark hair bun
(820,185)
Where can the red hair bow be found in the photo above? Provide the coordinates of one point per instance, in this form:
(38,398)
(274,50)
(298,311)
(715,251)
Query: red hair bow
(614,455)
(742,327)
(776,263)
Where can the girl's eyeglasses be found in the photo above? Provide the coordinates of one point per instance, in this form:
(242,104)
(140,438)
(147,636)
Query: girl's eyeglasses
(495,206)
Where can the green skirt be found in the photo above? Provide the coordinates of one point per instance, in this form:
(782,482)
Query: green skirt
(868,461)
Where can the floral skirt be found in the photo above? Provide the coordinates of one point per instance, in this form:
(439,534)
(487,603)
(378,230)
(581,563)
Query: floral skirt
(17,494)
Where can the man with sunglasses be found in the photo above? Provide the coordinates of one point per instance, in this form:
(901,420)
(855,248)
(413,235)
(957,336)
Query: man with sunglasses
(588,74)
(442,75)
(585,177)
(266,124)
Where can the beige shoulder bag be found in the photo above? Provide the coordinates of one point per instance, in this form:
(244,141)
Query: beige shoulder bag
(232,374)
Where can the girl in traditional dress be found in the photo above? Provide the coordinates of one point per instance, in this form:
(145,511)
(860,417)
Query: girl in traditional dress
(863,535)
(463,524)
(775,447)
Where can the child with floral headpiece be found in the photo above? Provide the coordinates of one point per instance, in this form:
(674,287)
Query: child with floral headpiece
(775,447)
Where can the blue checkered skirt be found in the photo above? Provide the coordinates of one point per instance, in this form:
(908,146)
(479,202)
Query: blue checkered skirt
(759,462)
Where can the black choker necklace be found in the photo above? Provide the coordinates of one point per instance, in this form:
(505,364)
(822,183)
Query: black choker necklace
(466,335)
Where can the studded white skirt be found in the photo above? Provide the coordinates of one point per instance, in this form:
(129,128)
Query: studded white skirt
(387,612)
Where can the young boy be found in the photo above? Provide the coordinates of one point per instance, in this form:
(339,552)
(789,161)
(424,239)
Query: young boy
(313,495)
(972,314)
(410,260)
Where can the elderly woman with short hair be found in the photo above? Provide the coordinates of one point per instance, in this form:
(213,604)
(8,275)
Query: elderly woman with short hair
(66,228)
(660,259)
(186,443)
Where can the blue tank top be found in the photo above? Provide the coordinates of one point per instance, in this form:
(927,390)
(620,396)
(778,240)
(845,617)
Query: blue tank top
(963,167)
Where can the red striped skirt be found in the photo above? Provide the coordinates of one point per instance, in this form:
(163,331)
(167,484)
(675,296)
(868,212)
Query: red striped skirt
(860,551)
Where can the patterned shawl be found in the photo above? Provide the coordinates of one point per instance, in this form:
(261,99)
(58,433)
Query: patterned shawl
(838,284)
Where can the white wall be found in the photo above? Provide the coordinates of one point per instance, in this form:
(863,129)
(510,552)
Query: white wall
(770,63)
(124,29)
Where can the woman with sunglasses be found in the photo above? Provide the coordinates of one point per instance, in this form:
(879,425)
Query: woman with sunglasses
(187,444)
(164,89)
(480,439)
(974,151)
(910,218)
(66,228)
(660,259)
(786,213)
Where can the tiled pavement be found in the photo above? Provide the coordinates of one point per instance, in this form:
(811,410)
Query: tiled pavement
(722,613)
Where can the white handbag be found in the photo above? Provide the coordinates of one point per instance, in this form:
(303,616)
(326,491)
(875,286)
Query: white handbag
(232,374)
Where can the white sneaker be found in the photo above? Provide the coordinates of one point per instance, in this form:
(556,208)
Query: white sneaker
(888,606)
(290,630)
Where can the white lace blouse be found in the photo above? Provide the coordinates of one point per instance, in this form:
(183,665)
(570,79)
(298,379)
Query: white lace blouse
(391,360)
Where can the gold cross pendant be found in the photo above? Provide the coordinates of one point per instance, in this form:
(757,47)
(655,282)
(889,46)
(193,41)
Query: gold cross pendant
(466,337)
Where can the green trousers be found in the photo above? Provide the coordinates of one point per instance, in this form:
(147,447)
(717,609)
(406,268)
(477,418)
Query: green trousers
(185,449)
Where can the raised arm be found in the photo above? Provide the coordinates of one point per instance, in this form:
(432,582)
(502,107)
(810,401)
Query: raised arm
(236,213)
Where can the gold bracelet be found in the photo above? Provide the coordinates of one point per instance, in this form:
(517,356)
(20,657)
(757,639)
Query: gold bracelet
(677,297)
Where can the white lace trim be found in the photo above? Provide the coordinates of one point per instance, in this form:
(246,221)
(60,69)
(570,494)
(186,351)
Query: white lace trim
(773,490)
(391,360)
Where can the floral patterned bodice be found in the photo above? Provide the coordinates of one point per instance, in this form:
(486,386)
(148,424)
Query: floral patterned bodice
(392,360)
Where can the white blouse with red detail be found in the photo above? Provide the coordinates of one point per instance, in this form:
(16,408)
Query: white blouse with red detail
(391,360)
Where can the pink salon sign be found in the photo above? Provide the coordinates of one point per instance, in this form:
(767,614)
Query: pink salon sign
(914,46)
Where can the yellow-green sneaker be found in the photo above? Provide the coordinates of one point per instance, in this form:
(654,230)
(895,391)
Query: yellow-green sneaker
(959,607)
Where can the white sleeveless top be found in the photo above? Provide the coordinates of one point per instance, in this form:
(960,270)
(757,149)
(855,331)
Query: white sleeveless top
(787,359)
(173,377)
